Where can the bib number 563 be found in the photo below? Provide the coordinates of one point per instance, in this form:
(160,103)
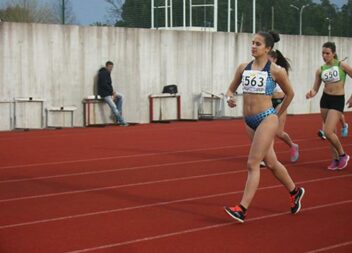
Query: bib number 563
(254,82)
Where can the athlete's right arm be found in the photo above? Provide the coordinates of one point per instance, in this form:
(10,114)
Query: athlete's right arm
(234,85)
(312,92)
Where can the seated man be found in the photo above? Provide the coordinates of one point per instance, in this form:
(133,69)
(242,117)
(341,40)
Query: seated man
(110,96)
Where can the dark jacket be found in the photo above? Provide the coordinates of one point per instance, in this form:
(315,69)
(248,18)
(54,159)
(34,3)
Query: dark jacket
(104,83)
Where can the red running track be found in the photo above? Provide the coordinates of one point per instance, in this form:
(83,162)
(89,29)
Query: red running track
(162,188)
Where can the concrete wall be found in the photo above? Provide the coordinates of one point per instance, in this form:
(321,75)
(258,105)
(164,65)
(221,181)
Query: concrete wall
(59,64)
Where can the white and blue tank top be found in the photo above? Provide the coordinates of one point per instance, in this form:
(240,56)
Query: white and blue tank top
(258,81)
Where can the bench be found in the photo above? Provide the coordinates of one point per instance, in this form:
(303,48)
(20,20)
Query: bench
(160,111)
(22,116)
(61,110)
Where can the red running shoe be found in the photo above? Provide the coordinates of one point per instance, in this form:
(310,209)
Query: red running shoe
(296,200)
(236,212)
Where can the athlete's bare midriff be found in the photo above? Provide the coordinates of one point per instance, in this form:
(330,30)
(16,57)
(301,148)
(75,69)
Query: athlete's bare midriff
(255,103)
(278,95)
(335,89)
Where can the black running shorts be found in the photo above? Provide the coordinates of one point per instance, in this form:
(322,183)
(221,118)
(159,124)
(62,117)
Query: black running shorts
(277,101)
(332,102)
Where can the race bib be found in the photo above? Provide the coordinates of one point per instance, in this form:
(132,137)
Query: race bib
(254,81)
(331,75)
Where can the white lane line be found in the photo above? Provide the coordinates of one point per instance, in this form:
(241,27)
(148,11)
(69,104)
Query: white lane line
(119,186)
(121,156)
(141,167)
(93,172)
(188,231)
(331,247)
(129,156)
(84,131)
(160,203)
(139,184)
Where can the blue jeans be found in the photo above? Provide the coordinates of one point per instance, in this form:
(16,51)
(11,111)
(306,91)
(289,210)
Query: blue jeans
(116,107)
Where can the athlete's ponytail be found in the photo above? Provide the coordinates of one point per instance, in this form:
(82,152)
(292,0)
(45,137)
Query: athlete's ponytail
(280,59)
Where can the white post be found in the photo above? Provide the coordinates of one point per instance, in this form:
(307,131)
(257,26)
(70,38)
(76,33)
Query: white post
(216,15)
(229,16)
(184,14)
(254,16)
(190,13)
(152,10)
(171,14)
(300,21)
(166,15)
(236,17)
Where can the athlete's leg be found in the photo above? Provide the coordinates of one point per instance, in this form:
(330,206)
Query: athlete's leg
(278,170)
(286,138)
(262,139)
(280,132)
(344,126)
(331,119)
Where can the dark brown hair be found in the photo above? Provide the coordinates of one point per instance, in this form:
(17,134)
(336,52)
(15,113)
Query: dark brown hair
(270,38)
(280,59)
(332,46)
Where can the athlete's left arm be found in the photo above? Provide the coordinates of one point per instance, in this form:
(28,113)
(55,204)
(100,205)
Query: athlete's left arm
(281,78)
(348,69)
(345,67)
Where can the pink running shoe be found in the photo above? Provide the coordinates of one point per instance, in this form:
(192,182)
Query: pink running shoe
(333,165)
(294,153)
(343,162)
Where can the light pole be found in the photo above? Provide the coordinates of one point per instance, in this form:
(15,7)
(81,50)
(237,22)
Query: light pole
(329,26)
(300,15)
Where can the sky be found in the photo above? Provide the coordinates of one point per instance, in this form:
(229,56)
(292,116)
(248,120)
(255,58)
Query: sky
(86,11)
(91,11)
